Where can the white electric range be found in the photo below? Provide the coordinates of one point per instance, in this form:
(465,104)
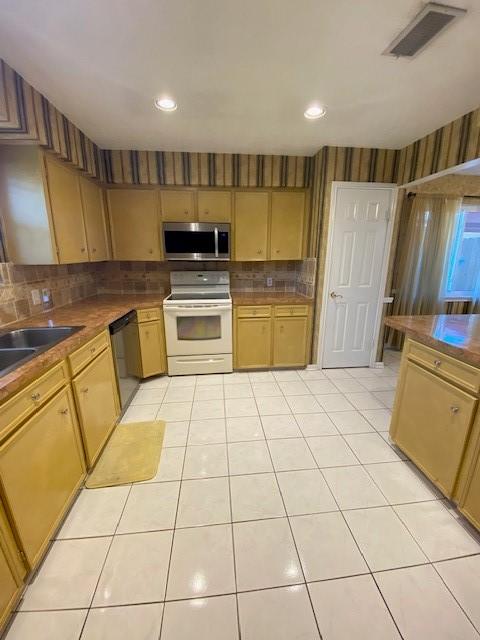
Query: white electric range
(198,323)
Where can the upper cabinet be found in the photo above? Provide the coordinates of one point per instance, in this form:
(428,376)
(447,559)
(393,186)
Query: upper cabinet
(178,206)
(251,225)
(134,224)
(95,223)
(215,206)
(66,210)
(269,225)
(51,213)
(288,218)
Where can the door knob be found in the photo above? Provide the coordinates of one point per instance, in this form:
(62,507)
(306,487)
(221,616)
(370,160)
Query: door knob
(335,295)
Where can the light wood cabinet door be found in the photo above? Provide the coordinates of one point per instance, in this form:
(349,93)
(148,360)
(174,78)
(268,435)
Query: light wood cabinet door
(97,401)
(178,206)
(94,216)
(470,504)
(288,216)
(134,222)
(290,342)
(431,423)
(214,206)
(66,210)
(152,348)
(12,569)
(251,225)
(41,468)
(253,340)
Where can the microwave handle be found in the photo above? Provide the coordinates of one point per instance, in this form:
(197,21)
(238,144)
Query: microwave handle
(215,232)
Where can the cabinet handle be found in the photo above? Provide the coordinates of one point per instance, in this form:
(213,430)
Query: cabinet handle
(92,349)
(437,363)
(454,409)
(84,390)
(35,396)
(63,412)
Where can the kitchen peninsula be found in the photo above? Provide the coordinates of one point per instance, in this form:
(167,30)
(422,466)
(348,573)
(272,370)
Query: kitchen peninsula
(436,416)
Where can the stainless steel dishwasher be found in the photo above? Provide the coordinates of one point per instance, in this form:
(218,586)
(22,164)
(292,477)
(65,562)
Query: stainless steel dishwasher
(127,383)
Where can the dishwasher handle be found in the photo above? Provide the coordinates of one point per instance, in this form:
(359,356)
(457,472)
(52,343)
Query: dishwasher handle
(118,325)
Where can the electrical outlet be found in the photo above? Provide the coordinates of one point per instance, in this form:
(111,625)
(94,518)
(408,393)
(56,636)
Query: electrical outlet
(35,293)
(47,298)
(269,282)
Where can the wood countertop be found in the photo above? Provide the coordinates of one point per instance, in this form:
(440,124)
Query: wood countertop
(455,335)
(275,297)
(94,314)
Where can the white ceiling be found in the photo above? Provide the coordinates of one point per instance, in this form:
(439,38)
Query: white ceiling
(470,168)
(241,71)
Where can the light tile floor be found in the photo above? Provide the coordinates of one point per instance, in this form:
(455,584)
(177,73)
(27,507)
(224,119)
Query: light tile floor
(280,511)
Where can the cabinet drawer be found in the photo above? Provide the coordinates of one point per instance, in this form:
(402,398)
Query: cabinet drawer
(256,311)
(81,357)
(454,370)
(18,408)
(291,310)
(143,315)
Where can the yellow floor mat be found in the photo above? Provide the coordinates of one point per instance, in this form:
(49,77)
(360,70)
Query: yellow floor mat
(131,455)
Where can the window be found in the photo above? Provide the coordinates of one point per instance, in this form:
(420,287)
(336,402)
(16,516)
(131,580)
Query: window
(462,278)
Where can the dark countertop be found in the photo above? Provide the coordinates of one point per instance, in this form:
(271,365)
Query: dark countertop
(455,335)
(94,313)
(264,297)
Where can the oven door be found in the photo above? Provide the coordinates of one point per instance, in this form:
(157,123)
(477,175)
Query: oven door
(196,241)
(198,329)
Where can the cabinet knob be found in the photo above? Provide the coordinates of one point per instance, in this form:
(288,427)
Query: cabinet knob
(150,251)
(185,213)
(454,409)
(63,412)
(84,390)
(35,396)
(277,251)
(82,249)
(206,213)
(254,312)
(92,349)
(94,250)
(281,328)
(437,363)
(259,252)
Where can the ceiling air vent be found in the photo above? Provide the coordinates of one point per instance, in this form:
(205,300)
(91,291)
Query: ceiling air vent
(431,21)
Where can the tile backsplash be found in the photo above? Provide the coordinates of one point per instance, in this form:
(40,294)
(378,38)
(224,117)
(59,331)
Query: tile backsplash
(64,284)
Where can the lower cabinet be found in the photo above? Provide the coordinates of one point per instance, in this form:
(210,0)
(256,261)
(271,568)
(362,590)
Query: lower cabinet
(145,346)
(290,337)
(12,569)
(268,336)
(97,402)
(41,468)
(431,423)
(470,503)
(253,343)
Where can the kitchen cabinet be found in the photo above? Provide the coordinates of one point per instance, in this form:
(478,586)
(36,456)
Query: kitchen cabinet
(97,403)
(66,210)
(41,469)
(251,225)
(290,336)
(12,568)
(178,206)
(267,335)
(145,350)
(469,502)
(431,423)
(134,223)
(214,206)
(253,338)
(287,222)
(95,223)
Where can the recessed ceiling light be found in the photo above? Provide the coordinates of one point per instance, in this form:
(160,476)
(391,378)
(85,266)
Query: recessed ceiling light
(165,104)
(314,111)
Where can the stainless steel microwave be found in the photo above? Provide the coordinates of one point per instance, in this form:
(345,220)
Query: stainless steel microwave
(196,241)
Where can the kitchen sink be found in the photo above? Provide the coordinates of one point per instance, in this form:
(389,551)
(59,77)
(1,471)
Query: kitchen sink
(35,337)
(19,345)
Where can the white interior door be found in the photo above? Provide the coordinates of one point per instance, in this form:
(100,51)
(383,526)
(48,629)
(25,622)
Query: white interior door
(359,234)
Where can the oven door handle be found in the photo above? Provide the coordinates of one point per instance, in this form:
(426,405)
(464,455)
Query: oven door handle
(198,307)
(215,233)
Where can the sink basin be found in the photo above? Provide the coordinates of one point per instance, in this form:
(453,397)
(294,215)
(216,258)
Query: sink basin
(11,358)
(35,337)
(19,345)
